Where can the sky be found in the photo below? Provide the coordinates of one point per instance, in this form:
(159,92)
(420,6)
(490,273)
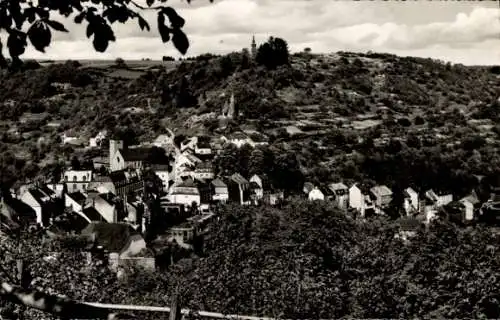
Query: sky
(466,32)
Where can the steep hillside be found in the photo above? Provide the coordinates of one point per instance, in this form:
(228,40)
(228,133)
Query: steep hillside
(302,105)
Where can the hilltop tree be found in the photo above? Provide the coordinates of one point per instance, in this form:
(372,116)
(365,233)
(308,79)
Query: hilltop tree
(273,53)
(100,16)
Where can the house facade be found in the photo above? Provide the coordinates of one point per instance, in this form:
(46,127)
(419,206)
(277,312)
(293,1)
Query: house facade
(219,191)
(185,193)
(341,194)
(411,201)
(383,196)
(316,194)
(239,189)
(77,180)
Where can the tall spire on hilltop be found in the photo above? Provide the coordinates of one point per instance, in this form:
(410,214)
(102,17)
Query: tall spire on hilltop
(254,47)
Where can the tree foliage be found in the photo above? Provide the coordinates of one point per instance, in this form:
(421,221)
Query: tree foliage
(100,15)
(273,53)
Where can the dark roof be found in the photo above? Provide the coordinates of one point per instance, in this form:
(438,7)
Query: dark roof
(38,195)
(77,196)
(21,209)
(92,214)
(188,183)
(117,176)
(218,183)
(113,237)
(108,197)
(135,154)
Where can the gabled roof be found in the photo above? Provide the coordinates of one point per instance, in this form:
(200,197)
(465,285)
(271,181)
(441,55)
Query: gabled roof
(77,196)
(113,237)
(108,197)
(218,183)
(338,186)
(92,214)
(135,154)
(472,198)
(238,178)
(381,191)
(39,195)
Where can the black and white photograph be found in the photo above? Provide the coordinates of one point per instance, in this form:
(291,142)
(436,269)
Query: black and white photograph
(249,159)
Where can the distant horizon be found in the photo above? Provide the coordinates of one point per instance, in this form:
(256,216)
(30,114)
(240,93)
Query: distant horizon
(464,32)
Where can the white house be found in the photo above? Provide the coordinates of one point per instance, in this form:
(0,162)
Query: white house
(164,140)
(341,194)
(75,201)
(469,209)
(219,191)
(411,202)
(96,141)
(359,201)
(239,139)
(439,198)
(163,173)
(259,192)
(68,137)
(316,194)
(38,199)
(77,180)
(185,193)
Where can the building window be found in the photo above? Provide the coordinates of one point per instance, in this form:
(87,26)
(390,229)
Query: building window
(74,178)
(84,178)
(117,159)
(75,187)
(66,178)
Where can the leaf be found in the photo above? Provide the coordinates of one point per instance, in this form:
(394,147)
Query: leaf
(90,30)
(164,30)
(180,41)
(40,35)
(150,2)
(143,24)
(5,19)
(16,42)
(56,25)
(30,14)
(175,20)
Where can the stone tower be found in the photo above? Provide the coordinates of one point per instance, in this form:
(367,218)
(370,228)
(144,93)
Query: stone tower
(114,146)
(254,48)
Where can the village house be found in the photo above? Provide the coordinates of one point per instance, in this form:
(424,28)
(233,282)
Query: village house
(123,157)
(108,207)
(165,140)
(202,147)
(204,170)
(125,182)
(239,189)
(316,194)
(341,194)
(163,171)
(203,186)
(383,196)
(438,198)
(77,180)
(122,243)
(219,191)
(411,201)
(185,164)
(256,187)
(360,201)
(72,138)
(273,197)
(136,213)
(58,188)
(75,201)
(44,202)
(17,211)
(238,138)
(96,141)
(185,193)
(408,228)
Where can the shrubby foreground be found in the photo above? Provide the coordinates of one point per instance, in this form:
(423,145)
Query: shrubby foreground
(304,260)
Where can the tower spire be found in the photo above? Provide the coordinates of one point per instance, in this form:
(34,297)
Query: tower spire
(254,47)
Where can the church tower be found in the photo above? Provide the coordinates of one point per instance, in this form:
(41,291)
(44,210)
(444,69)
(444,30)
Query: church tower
(254,48)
